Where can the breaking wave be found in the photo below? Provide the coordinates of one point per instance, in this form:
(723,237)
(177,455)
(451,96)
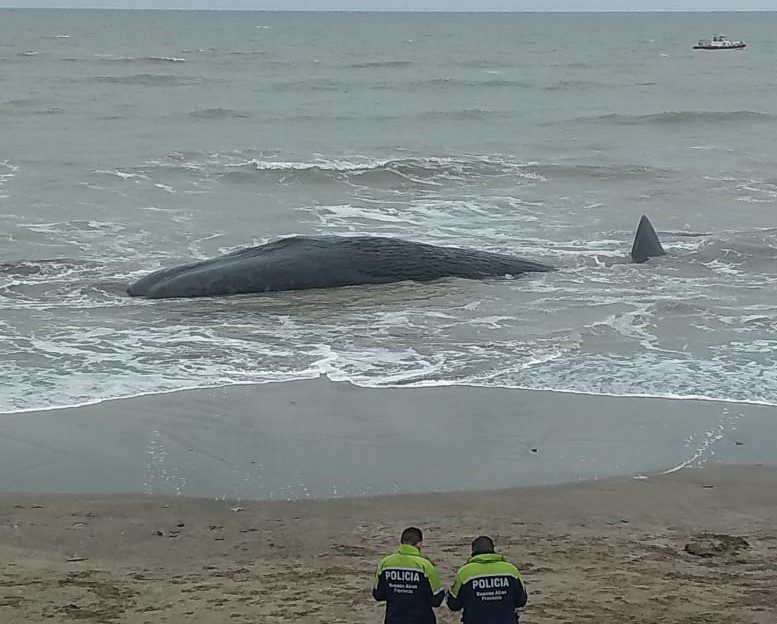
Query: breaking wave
(584,171)
(219,113)
(151,80)
(110,58)
(380,64)
(44,269)
(428,165)
(455,83)
(371,174)
(469,113)
(682,117)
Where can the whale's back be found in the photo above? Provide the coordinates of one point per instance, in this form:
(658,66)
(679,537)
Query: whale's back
(302,262)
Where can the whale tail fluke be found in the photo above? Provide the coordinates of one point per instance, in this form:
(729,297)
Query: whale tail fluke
(646,243)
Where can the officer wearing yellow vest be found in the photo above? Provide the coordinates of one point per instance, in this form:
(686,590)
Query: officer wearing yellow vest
(408,583)
(488,588)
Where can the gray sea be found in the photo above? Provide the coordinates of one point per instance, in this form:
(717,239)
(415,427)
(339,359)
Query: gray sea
(131,141)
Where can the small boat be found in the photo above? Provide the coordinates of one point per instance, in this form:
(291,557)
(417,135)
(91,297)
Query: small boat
(719,42)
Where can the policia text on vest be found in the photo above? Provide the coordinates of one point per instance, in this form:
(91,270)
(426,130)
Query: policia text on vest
(487,588)
(408,583)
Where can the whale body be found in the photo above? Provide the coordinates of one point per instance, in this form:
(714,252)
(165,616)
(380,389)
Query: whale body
(301,262)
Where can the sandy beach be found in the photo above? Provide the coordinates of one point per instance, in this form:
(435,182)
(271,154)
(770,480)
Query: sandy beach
(604,551)
(273,503)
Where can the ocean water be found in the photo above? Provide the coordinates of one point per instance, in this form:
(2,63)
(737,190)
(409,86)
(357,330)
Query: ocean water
(131,141)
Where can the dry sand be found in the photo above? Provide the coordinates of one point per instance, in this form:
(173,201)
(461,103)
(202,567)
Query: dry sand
(603,551)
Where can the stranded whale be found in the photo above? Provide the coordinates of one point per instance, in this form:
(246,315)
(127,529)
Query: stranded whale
(301,262)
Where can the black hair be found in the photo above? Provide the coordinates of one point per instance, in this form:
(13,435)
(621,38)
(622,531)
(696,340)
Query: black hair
(482,545)
(412,536)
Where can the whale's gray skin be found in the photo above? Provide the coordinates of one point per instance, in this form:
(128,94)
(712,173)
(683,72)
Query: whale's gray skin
(303,262)
(646,243)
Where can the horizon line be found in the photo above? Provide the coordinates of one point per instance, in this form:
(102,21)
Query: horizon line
(226,10)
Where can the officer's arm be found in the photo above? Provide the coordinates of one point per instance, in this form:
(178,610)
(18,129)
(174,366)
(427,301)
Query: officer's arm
(379,586)
(438,593)
(454,599)
(520,592)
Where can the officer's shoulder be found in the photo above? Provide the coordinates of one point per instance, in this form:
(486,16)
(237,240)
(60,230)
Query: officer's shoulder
(386,559)
(427,561)
(466,569)
(512,568)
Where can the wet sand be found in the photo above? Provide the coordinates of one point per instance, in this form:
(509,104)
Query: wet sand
(323,439)
(603,551)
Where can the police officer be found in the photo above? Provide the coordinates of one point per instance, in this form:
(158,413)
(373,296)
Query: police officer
(488,588)
(408,583)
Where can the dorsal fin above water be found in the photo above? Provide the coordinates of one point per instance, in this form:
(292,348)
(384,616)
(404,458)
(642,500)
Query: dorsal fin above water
(646,243)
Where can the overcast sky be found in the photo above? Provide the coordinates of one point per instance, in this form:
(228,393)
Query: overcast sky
(411,5)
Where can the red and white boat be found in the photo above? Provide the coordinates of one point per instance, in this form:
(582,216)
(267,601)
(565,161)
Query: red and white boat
(719,42)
